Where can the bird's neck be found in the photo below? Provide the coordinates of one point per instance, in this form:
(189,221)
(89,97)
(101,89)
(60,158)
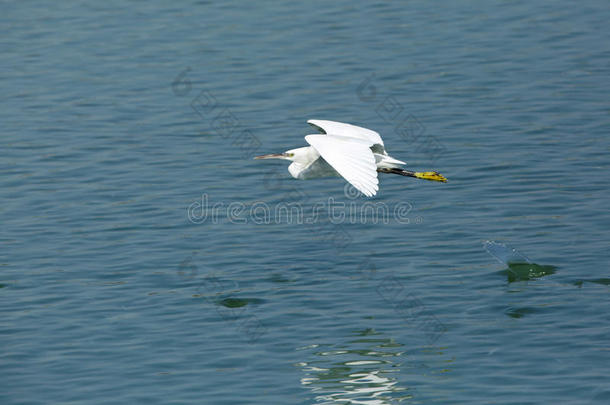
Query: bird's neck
(305,155)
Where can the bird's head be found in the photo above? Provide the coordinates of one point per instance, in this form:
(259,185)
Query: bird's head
(292,154)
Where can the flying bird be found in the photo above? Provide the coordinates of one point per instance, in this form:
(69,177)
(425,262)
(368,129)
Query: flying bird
(354,153)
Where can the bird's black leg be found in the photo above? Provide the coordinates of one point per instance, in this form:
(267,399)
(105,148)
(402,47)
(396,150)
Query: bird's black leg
(395,170)
(434,176)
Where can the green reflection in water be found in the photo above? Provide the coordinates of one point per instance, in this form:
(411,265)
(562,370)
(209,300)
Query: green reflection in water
(527,271)
(520,312)
(602,281)
(238,302)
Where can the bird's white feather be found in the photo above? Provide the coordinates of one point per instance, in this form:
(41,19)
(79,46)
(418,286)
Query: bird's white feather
(343,129)
(351,157)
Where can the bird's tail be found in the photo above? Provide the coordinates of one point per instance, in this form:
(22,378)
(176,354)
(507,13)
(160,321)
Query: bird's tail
(433,176)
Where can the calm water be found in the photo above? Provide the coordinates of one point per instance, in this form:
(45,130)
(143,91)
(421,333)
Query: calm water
(118,125)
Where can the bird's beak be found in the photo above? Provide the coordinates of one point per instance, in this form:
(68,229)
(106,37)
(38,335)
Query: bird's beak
(272,156)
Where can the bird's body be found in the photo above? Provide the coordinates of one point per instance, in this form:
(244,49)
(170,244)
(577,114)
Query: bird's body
(345,150)
(313,165)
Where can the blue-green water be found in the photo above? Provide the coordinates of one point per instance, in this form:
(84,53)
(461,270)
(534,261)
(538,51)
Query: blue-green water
(119,123)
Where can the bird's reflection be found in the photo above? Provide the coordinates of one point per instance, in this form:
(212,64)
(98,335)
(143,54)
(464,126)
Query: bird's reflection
(364,370)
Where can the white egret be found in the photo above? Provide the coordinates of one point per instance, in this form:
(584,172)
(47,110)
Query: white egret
(355,153)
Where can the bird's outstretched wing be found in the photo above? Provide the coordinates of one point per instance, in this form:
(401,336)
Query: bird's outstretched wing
(352,158)
(342,129)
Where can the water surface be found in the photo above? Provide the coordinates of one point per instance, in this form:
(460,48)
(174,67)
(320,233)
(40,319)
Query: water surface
(116,119)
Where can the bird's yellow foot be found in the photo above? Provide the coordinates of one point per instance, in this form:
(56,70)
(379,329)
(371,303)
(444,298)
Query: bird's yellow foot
(434,176)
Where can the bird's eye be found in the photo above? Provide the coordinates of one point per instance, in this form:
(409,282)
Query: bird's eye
(291,155)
